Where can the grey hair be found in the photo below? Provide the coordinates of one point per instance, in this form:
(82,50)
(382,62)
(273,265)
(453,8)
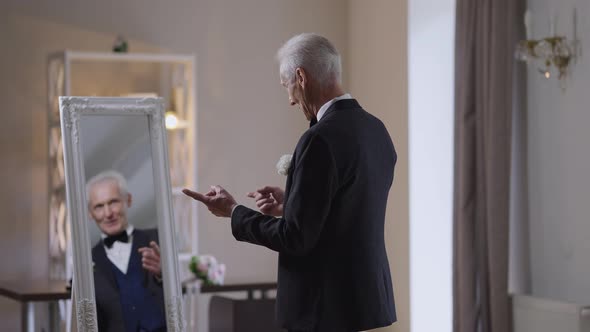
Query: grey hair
(108,175)
(315,54)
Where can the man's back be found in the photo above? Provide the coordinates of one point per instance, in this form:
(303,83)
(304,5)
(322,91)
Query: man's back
(333,269)
(343,283)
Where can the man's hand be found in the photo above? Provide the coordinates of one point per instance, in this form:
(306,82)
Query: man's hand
(150,259)
(269,200)
(218,200)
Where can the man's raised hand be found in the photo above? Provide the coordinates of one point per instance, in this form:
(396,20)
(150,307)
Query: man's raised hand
(218,200)
(269,200)
(150,259)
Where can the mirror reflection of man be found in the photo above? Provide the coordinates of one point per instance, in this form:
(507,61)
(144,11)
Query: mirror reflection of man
(127,271)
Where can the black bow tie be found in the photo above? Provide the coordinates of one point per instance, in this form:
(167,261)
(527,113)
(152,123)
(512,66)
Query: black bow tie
(312,122)
(109,240)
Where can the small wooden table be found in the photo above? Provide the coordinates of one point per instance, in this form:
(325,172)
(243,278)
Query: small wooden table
(29,291)
(263,287)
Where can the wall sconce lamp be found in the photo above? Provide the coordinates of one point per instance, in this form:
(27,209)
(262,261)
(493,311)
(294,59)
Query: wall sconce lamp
(173,122)
(552,53)
(172,119)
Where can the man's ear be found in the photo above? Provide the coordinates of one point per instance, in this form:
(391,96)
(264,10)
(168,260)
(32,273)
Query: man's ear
(90,211)
(129,200)
(301,77)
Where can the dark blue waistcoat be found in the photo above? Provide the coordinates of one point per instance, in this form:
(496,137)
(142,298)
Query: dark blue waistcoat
(141,312)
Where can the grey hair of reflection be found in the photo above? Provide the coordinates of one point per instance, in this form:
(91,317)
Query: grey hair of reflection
(108,175)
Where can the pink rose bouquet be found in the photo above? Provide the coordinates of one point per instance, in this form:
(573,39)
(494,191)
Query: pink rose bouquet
(207,269)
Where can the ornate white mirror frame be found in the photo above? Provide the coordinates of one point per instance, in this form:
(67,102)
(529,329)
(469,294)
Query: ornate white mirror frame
(71,110)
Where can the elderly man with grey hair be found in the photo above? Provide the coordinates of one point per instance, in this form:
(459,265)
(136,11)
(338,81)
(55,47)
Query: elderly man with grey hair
(127,271)
(328,224)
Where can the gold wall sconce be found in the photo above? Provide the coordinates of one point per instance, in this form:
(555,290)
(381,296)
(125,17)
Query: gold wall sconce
(551,55)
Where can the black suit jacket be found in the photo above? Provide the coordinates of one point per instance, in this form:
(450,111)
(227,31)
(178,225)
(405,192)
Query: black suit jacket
(333,272)
(108,305)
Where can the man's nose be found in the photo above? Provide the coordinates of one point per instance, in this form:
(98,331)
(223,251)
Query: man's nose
(108,211)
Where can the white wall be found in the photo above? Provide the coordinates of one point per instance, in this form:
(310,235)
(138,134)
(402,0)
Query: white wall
(431,116)
(378,79)
(559,160)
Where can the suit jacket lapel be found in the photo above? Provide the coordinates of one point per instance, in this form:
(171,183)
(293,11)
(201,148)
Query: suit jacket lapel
(103,265)
(140,239)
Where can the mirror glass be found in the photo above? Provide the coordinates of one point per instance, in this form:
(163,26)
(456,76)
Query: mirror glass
(122,222)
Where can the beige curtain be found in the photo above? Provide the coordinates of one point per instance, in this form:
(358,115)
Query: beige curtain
(486,35)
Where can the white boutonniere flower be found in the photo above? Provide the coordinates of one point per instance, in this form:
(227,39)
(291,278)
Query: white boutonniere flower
(284,164)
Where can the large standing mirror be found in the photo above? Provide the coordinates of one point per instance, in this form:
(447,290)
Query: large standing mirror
(118,196)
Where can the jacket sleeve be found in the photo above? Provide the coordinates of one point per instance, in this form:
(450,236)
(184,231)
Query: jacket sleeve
(308,204)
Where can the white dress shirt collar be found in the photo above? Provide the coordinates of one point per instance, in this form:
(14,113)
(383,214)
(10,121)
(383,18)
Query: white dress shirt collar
(120,252)
(327,105)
